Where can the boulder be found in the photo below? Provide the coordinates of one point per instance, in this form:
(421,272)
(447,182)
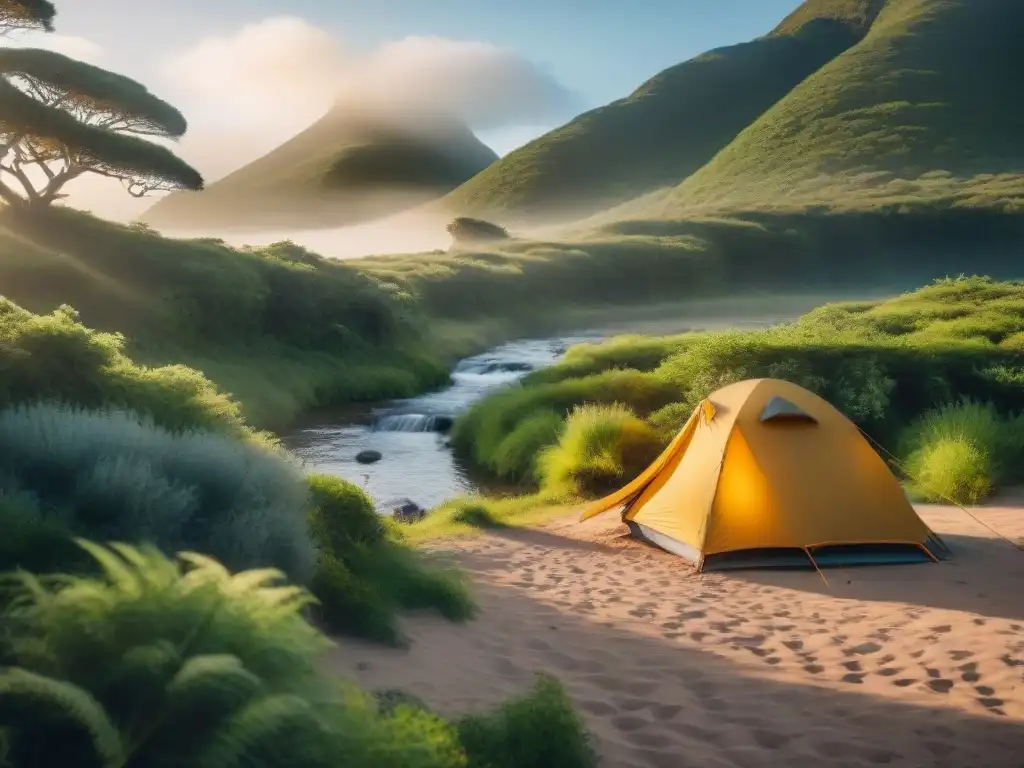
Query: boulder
(408,512)
(369,456)
(467,232)
(441,424)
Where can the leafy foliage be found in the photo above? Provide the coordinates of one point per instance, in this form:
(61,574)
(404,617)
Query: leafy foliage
(55,357)
(540,730)
(112,475)
(961,452)
(156,664)
(365,574)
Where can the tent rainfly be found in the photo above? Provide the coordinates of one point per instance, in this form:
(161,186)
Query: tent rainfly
(765,473)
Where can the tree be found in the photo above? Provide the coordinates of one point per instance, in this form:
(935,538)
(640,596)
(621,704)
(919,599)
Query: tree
(61,118)
(26,14)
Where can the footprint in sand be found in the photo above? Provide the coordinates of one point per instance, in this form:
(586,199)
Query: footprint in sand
(665,712)
(853,666)
(771,739)
(969,672)
(904,682)
(627,723)
(598,708)
(853,677)
(863,649)
(941,685)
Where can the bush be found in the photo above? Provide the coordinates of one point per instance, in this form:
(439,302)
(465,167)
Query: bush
(960,453)
(152,666)
(515,458)
(55,357)
(539,730)
(365,574)
(480,432)
(113,475)
(602,447)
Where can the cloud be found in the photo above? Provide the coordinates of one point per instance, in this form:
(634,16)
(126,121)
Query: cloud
(485,86)
(264,72)
(270,79)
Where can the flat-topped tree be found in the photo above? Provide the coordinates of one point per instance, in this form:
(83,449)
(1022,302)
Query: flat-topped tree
(26,14)
(61,118)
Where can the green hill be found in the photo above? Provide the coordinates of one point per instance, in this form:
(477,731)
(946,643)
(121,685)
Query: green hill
(350,166)
(927,106)
(666,129)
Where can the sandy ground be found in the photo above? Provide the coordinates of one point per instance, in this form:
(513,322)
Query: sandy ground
(914,665)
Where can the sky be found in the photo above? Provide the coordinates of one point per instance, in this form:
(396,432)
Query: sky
(248,74)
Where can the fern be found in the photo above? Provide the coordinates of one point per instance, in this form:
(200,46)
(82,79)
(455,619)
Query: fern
(39,711)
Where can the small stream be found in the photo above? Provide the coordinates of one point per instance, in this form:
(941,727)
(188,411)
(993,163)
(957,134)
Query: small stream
(417,464)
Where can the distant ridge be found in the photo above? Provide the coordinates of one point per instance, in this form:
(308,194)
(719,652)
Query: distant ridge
(931,95)
(352,165)
(668,128)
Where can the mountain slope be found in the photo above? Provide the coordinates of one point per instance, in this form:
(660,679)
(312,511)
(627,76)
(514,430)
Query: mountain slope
(350,166)
(668,128)
(930,98)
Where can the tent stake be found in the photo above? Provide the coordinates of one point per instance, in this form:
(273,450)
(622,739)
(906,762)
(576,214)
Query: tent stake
(810,557)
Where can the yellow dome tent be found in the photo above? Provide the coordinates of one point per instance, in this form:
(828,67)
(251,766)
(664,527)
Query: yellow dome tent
(765,473)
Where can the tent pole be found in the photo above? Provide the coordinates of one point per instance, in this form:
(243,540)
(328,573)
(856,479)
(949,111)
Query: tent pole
(810,557)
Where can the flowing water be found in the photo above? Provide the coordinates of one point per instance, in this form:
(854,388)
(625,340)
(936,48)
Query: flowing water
(417,464)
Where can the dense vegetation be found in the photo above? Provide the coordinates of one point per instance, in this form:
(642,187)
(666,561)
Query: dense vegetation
(154,663)
(94,445)
(884,364)
(280,328)
(349,166)
(645,262)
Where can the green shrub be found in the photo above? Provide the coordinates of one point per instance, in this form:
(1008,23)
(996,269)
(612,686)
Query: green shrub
(602,447)
(961,452)
(952,470)
(364,573)
(475,516)
(539,730)
(152,666)
(341,514)
(113,475)
(55,357)
(481,430)
(515,457)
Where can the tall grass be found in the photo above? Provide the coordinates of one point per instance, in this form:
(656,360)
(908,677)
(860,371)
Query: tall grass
(114,475)
(601,446)
(961,452)
(155,663)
